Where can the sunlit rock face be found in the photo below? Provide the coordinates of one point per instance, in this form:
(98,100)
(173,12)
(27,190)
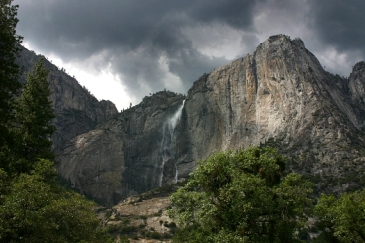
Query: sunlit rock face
(274,91)
(280,95)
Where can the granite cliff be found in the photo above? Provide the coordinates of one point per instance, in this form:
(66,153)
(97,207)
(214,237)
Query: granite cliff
(76,110)
(280,95)
(125,155)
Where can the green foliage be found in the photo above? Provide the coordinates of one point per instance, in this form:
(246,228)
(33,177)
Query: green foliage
(342,219)
(9,85)
(4,185)
(36,209)
(9,47)
(33,207)
(241,197)
(123,239)
(34,116)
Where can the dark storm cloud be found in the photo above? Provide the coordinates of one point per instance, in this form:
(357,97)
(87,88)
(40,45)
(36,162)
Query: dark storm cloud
(340,23)
(134,34)
(235,13)
(133,37)
(331,29)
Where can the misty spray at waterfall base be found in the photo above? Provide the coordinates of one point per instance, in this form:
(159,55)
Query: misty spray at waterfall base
(168,143)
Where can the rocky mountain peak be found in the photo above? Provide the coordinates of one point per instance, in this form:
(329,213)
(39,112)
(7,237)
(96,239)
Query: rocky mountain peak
(358,70)
(356,85)
(359,66)
(280,40)
(162,99)
(280,95)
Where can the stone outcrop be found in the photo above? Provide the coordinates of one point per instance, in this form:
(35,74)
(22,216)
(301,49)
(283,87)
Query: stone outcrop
(77,111)
(125,155)
(280,96)
(357,88)
(274,92)
(142,217)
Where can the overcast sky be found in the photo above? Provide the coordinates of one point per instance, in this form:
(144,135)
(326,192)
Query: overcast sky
(123,50)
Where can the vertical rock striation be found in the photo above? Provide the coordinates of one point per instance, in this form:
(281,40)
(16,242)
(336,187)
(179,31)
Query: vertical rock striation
(77,111)
(124,156)
(280,95)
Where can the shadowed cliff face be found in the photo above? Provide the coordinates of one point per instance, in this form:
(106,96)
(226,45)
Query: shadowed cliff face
(280,95)
(128,154)
(76,110)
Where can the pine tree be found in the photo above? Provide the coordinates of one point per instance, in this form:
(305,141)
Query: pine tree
(34,114)
(33,207)
(9,84)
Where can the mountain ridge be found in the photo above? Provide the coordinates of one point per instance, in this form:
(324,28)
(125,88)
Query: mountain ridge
(76,109)
(280,95)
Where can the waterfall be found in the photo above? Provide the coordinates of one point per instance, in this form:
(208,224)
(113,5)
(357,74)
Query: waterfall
(168,143)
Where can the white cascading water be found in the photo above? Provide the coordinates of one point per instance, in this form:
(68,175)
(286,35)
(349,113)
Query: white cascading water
(168,144)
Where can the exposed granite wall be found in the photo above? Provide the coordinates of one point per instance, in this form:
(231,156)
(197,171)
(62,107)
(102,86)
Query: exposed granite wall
(279,95)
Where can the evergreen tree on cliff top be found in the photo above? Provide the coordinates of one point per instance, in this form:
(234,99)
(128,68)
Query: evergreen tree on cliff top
(9,85)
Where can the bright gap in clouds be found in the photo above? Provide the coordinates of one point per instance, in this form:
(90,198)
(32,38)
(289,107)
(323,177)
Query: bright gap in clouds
(171,81)
(103,84)
(217,40)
